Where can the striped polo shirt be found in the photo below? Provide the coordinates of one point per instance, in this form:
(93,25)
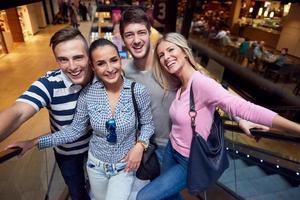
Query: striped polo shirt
(59,95)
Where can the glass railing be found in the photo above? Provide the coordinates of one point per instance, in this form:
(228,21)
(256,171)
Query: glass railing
(264,169)
(35,176)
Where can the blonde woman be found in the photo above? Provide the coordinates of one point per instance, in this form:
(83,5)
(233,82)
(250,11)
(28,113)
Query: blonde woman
(176,68)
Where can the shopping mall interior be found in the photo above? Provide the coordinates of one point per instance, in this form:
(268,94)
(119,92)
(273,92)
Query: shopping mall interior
(251,47)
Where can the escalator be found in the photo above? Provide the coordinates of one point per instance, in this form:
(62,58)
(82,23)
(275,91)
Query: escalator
(252,182)
(256,172)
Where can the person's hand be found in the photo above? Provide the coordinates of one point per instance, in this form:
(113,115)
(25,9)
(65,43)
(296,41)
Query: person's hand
(134,157)
(246,126)
(25,145)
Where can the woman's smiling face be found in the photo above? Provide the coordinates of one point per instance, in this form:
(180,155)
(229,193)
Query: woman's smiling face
(171,57)
(107,64)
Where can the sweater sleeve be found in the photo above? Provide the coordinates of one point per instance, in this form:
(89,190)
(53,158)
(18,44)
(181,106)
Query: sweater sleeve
(212,93)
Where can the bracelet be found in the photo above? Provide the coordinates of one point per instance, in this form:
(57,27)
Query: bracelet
(144,144)
(236,119)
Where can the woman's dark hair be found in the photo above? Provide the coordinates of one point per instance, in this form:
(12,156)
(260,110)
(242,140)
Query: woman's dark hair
(100,43)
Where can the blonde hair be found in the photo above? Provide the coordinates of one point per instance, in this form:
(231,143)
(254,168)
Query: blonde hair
(166,80)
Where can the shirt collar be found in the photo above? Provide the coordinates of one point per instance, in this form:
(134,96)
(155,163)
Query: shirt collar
(95,79)
(126,84)
(68,83)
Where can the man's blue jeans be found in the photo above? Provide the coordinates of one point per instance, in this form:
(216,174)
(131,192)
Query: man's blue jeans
(72,170)
(172,179)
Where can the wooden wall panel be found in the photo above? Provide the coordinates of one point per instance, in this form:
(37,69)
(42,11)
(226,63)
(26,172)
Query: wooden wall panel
(257,34)
(290,34)
(14,24)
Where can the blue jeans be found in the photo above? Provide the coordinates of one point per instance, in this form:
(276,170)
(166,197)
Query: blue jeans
(109,181)
(139,184)
(160,151)
(172,180)
(72,170)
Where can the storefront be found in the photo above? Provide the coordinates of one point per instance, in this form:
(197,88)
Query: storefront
(32,18)
(5,34)
(262,20)
(19,24)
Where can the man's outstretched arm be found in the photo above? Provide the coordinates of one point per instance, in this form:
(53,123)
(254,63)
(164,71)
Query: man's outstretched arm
(13,117)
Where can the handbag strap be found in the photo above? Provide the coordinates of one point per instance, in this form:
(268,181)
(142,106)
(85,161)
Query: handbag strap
(192,112)
(136,111)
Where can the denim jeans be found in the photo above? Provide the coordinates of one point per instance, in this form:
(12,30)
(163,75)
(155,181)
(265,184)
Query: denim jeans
(109,181)
(139,184)
(160,151)
(72,170)
(172,179)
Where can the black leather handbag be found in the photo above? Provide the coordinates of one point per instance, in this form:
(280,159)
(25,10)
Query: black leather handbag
(149,168)
(207,159)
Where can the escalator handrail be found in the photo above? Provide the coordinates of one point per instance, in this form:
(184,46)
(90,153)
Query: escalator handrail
(259,150)
(9,153)
(261,134)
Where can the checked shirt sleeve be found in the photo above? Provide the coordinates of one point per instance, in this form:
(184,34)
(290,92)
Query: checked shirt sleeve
(72,132)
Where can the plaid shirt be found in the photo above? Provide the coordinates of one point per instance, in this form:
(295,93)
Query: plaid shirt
(93,107)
